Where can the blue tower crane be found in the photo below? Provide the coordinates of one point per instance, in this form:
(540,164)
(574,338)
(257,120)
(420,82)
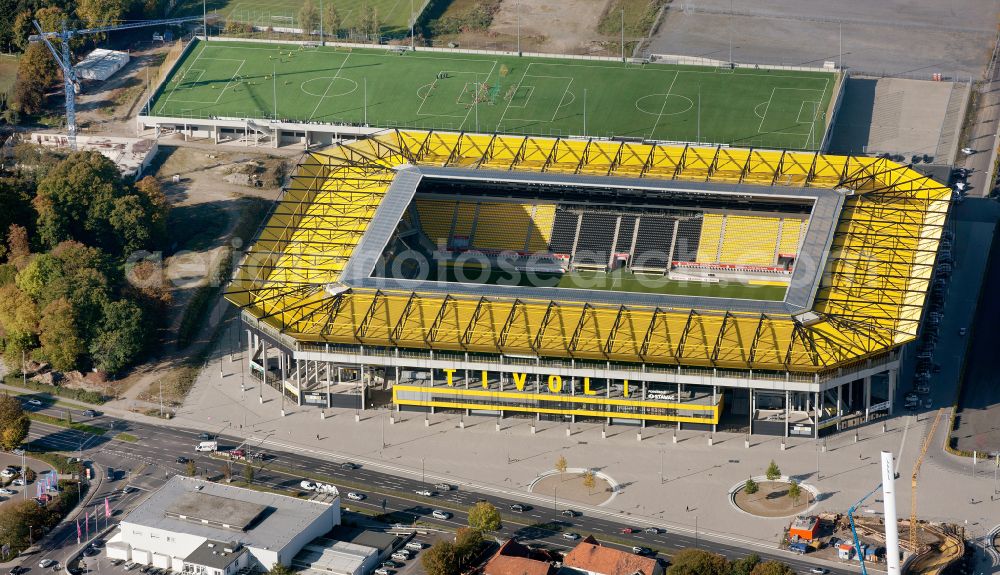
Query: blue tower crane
(854,531)
(62,57)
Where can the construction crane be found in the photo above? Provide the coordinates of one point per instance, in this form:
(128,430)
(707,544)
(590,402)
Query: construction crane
(854,531)
(62,57)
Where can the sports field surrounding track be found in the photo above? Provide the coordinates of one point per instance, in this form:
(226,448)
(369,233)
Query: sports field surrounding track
(487,93)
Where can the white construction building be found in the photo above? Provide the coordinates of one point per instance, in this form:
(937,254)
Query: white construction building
(100,64)
(205,528)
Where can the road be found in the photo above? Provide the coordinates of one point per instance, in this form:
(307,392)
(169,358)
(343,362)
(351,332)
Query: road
(158,448)
(983,133)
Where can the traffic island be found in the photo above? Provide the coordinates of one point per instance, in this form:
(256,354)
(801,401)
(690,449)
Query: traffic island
(572,485)
(772,498)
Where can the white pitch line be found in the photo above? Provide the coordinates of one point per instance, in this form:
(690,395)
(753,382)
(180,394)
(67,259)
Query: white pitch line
(328,86)
(766,108)
(664,106)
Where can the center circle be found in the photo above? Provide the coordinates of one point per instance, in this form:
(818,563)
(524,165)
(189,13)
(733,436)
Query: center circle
(329,86)
(663,104)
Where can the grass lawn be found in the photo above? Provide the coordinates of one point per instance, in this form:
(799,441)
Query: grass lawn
(486,93)
(619,280)
(394,15)
(8,72)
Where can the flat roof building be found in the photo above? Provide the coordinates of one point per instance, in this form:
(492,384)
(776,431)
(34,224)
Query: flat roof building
(196,526)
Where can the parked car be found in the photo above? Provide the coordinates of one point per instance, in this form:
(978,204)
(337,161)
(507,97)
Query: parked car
(128,566)
(569,513)
(442,515)
(652,530)
(90,551)
(355,496)
(570,535)
(91,413)
(627,530)
(18,451)
(641,550)
(414,545)
(116,562)
(34,402)
(5,491)
(442,486)
(400,556)
(204,436)
(819,571)
(389,563)
(182,459)
(19,481)
(347,465)
(424,492)
(8,472)
(384,571)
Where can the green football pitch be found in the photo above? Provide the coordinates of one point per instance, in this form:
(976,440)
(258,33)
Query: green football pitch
(507,94)
(618,280)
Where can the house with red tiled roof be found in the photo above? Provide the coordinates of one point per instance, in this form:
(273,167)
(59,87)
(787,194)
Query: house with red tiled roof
(591,558)
(515,559)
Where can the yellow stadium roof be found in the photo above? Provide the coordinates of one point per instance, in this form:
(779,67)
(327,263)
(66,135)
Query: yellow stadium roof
(869,299)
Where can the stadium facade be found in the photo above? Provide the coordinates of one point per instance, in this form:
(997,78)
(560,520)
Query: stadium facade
(761,291)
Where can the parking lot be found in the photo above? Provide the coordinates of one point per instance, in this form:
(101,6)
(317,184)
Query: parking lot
(10,491)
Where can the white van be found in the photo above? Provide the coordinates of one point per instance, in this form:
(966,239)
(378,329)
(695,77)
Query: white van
(207,446)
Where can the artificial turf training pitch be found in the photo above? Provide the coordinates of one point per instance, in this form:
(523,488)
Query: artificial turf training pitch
(507,94)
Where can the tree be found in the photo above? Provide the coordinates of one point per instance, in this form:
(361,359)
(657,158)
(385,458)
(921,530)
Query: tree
(441,559)
(227,471)
(332,21)
(484,517)
(751,486)
(279,569)
(18,323)
(121,336)
(561,464)
(14,423)
(191,469)
(99,12)
(369,23)
(248,472)
(745,565)
(772,568)
(36,73)
(773,471)
(59,336)
(794,491)
(467,544)
(18,247)
(588,480)
(83,198)
(698,562)
(308,17)
(38,277)
(23,29)
(51,19)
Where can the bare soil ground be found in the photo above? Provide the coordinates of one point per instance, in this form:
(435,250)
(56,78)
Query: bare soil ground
(772,500)
(569,487)
(565,27)
(206,210)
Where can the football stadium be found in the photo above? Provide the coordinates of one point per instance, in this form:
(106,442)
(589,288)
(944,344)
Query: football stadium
(573,279)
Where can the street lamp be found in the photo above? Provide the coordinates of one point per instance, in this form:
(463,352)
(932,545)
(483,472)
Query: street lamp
(422,478)
(555,490)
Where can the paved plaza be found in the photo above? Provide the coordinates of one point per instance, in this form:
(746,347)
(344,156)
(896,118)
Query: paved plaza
(695,480)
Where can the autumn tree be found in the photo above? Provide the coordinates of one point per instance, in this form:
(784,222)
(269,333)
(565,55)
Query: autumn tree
(369,23)
(698,562)
(191,469)
(18,247)
(332,22)
(22,29)
(99,12)
(308,17)
(36,73)
(772,568)
(18,323)
(248,472)
(484,517)
(744,565)
(59,336)
(589,481)
(440,559)
(561,464)
(14,423)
